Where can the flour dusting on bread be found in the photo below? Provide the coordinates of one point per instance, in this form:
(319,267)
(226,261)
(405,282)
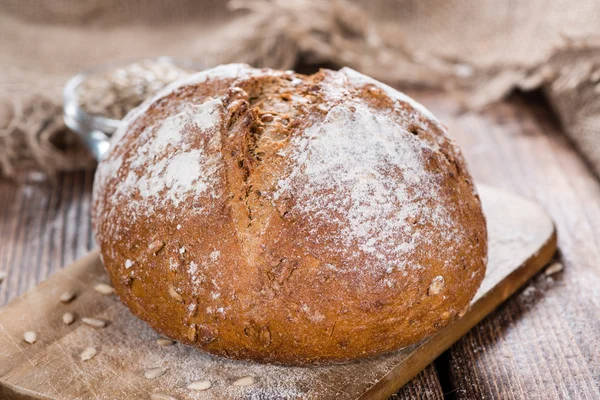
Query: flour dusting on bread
(278,217)
(364,172)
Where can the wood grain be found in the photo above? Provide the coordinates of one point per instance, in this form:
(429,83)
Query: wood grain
(515,145)
(544,342)
(521,241)
(44,225)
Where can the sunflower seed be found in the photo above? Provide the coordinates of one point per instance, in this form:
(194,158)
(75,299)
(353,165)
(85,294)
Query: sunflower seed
(158,396)
(88,353)
(322,107)
(200,385)
(156,246)
(245,381)
(176,296)
(154,373)
(104,289)
(164,342)
(96,323)
(30,337)
(554,268)
(192,333)
(265,336)
(437,285)
(266,117)
(68,318)
(67,297)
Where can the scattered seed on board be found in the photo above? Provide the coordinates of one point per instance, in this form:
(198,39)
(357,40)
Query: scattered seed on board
(96,323)
(554,268)
(154,373)
(2,276)
(30,337)
(88,353)
(68,318)
(245,381)
(104,289)
(164,342)
(158,396)
(67,297)
(200,385)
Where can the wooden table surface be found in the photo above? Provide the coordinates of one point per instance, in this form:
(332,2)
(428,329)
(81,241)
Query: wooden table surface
(543,343)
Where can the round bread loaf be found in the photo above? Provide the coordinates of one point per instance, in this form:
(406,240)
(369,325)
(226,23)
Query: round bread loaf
(278,217)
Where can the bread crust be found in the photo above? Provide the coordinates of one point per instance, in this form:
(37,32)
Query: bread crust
(276,217)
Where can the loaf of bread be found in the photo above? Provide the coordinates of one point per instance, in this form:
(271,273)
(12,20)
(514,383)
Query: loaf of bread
(277,217)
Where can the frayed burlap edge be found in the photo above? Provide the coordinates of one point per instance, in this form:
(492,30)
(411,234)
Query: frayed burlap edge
(36,138)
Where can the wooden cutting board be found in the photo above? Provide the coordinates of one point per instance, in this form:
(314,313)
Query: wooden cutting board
(522,240)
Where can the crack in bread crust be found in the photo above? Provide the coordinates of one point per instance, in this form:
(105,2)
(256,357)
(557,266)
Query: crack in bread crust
(301,219)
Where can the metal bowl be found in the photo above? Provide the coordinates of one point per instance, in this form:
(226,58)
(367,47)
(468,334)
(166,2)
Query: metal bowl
(96,130)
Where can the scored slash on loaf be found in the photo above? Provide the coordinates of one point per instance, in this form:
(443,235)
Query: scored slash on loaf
(245,195)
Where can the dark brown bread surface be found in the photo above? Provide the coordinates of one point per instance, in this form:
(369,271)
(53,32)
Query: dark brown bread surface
(278,217)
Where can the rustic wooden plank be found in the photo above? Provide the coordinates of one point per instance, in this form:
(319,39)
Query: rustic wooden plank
(543,343)
(425,386)
(44,225)
(521,240)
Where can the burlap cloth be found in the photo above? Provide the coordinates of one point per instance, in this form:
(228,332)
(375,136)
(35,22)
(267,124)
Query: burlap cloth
(485,48)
